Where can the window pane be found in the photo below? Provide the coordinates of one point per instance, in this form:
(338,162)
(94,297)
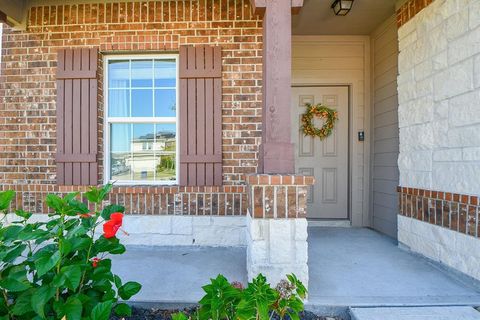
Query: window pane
(119,103)
(166,138)
(142,103)
(121,166)
(165,149)
(118,74)
(165,73)
(143,156)
(165,102)
(166,164)
(120,137)
(142,73)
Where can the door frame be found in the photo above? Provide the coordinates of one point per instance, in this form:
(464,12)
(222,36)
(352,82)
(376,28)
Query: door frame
(347,221)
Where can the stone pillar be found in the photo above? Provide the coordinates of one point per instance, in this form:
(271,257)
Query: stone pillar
(276,150)
(277,226)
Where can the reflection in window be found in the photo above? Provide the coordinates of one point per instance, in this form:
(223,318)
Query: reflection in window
(144,90)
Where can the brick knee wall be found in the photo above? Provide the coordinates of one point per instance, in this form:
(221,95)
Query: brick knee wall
(28,87)
(191,201)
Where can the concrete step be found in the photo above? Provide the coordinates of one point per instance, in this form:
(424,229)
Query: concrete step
(415,313)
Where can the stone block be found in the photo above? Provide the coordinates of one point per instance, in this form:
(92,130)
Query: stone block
(257,252)
(453,81)
(301,229)
(137,224)
(229,221)
(474,14)
(202,221)
(257,229)
(301,252)
(471,154)
(280,240)
(464,109)
(477,71)
(444,155)
(182,225)
(215,236)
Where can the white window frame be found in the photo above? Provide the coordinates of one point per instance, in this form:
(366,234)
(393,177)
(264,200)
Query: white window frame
(153,120)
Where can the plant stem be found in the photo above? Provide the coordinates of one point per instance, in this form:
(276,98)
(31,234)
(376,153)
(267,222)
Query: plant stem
(60,240)
(89,248)
(6,304)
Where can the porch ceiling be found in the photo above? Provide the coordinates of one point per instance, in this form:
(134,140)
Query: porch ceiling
(317,18)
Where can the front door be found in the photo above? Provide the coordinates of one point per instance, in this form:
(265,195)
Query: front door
(326,160)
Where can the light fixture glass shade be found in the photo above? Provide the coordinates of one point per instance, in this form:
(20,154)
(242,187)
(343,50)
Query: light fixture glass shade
(342,7)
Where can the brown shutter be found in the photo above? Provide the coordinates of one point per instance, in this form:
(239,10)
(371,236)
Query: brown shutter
(200,115)
(77,129)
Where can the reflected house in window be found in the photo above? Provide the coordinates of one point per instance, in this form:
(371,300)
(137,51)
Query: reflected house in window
(149,151)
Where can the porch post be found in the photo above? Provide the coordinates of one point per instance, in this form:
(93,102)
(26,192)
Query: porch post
(276,150)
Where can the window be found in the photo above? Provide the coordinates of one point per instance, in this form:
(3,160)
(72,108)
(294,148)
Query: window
(141,119)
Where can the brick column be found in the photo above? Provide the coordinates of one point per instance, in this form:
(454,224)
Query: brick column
(277,226)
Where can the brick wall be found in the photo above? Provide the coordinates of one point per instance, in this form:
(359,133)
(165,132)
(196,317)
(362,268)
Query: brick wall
(27,86)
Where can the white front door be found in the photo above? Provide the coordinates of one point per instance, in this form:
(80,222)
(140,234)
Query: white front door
(326,160)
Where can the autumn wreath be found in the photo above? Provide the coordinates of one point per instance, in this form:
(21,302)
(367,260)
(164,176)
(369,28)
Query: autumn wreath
(321,111)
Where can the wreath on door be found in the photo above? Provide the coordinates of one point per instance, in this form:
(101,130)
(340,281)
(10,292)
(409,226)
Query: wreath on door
(320,111)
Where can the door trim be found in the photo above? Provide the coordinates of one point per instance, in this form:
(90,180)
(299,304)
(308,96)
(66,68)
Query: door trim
(335,222)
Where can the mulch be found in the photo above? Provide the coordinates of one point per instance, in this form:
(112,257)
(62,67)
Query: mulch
(161,314)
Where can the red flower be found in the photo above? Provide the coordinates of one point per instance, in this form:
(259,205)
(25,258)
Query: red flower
(95,262)
(111,227)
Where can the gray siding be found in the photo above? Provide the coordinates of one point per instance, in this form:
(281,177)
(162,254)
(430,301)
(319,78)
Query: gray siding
(384,200)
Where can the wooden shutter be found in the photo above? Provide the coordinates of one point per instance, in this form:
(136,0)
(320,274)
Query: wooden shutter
(200,115)
(77,130)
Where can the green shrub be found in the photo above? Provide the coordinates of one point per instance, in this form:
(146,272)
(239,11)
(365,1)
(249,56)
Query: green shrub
(258,301)
(59,269)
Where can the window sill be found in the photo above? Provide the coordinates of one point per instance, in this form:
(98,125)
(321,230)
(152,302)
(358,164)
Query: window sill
(144,183)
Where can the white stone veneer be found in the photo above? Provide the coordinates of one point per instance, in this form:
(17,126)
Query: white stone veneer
(451,248)
(439,98)
(439,119)
(277,247)
(178,230)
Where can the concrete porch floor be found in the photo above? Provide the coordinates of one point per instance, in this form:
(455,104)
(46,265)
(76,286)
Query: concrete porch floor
(348,267)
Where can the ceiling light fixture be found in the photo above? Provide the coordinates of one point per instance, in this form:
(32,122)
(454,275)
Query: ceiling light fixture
(342,7)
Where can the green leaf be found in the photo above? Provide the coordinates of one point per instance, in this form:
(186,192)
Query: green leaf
(108,210)
(111,245)
(92,195)
(23,304)
(46,262)
(72,275)
(117,281)
(179,316)
(102,311)
(40,298)
(5,198)
(10,233)
(55,202)
(70,196)
(76,207)
(129,289)
(123,310)
(65,246)
(80,243)
(23,214)
(14,285)
(73,308)
(13,253)
(104,191)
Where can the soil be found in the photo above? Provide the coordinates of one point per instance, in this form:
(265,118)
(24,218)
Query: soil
(159,314)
